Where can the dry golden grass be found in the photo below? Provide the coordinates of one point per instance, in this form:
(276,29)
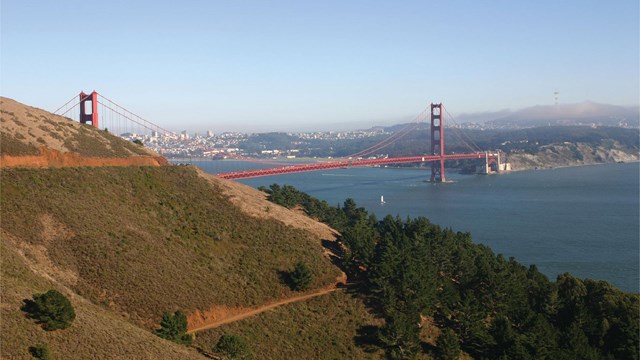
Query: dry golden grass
(334,326)
(141,241)
(25,129)
(96,333)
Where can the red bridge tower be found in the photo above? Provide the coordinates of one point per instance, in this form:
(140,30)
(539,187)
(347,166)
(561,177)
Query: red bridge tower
(92,114)
(437,143)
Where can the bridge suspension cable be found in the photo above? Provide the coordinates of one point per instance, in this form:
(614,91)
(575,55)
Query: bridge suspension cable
(65,104)
(129,115)
(393,138)
(461,135)
(69,108)
(124,121)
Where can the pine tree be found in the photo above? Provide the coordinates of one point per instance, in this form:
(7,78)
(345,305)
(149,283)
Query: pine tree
(401,335)
(233,347)
(52,309)
(300,277)
(174,328)
(448,345)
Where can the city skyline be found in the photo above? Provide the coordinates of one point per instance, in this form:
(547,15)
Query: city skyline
(287,66)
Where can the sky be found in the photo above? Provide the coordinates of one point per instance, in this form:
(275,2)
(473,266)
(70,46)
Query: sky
(252,66)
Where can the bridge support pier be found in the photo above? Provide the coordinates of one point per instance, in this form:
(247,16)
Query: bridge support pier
(91,114)
(493,164)
(437,143)
(487,164)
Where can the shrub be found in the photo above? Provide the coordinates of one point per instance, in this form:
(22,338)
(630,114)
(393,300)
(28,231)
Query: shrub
(300,277)
(40,351)
(233,347)
(174,328)
(52,309)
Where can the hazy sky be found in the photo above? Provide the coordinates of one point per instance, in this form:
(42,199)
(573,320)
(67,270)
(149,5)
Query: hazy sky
(298,65)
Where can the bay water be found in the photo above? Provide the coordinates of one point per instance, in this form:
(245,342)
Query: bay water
(582,220)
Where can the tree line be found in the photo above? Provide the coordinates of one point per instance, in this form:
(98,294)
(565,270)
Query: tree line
(486,305)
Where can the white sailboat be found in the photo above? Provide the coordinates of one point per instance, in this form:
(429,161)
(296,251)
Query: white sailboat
(381,199)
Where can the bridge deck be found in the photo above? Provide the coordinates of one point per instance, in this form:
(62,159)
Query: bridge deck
(347,163)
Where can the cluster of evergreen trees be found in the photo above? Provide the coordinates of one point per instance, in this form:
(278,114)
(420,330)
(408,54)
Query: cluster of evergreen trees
(488,306)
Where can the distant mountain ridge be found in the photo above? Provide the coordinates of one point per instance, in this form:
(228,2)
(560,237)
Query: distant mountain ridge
(585,113)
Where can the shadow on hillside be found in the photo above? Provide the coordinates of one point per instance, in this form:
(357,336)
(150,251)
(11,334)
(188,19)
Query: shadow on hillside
(428,348)
(356,284)
(367,338)
(336,253)
(285,278)
(206,354)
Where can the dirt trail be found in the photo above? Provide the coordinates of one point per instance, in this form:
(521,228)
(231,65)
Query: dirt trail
(264,308)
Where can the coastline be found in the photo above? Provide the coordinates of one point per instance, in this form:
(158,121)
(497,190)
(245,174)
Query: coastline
(572,166)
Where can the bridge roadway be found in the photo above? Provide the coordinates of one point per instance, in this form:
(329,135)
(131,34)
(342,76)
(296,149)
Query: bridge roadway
(246,174)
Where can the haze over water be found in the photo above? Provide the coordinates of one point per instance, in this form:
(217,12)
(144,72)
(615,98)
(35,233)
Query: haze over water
(582,220)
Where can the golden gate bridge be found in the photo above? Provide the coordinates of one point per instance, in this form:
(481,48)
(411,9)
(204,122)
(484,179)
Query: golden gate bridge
(105,114)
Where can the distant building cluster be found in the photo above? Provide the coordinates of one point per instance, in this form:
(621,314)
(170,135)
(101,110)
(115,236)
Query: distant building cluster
(186,145)
(341,135)
(229,144)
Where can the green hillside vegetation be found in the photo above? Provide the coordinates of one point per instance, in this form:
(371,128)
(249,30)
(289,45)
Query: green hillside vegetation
(153,229)
(96,333)
(25,129)
(141,241)
(497,308)
(326,327)
(530,140)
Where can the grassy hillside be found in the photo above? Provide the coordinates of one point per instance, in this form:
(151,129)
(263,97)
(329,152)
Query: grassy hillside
(25,129)
(144,240)
(127,244)
(328,327)
(131,243)
(95,334)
